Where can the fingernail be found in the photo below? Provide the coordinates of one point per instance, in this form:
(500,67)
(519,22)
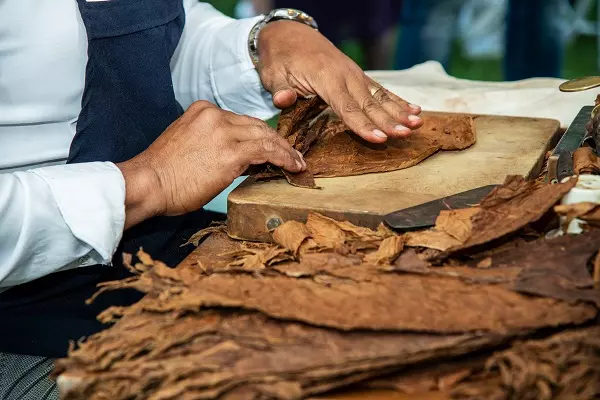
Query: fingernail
(402,129)
(298,164)
(416,107)
(413,118)
(379,134)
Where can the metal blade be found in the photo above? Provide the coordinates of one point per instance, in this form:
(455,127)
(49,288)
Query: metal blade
(424,215)
(569,142)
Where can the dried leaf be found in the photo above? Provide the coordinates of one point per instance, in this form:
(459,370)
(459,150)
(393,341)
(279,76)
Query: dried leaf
(332,149)
(432,239)
(304,179)
(563,366)
(585,161)
(456,223)
(505,210)
(388,250)
(291,235)
(203,233)
(231,355)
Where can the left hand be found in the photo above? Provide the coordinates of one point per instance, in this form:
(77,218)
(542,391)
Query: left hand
(296,60)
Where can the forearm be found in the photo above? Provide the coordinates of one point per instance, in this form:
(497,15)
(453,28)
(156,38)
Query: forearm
(212,63)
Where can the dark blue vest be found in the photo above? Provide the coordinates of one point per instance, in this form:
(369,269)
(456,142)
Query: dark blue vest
(127,103)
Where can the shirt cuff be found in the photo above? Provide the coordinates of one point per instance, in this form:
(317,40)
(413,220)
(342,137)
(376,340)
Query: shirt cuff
(249,95)
(91,199)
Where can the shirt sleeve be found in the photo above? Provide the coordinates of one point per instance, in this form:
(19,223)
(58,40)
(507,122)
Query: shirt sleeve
(57,218)
(212,62)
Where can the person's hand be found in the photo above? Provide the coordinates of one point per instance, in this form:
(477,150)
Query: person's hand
(196,158)
(295,60)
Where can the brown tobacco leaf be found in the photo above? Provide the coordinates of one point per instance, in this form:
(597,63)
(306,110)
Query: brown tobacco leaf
(258,259)
(456,223)
(332,149)
(387,252)
(511,206)
(585,161)
(343,153)
(555,268)
(240,355)
(441,376)
(292,120)
(197,237)
(329,233)
(432,239)
(450,131)
(507,209)
(386,302)
(304,179)
(291,235)
(563,366)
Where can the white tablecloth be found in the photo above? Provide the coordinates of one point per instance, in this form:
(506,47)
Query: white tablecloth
(429,86)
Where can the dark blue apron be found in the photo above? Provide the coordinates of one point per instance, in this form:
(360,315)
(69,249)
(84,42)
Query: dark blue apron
(127,103)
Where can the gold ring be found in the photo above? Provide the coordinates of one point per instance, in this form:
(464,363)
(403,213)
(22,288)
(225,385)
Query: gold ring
(375,89)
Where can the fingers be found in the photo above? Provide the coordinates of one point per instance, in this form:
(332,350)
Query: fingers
(254,152)
(408,107)
(284,95)
(262,144)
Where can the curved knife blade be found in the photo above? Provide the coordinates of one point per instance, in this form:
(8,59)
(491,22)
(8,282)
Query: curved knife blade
(424,215)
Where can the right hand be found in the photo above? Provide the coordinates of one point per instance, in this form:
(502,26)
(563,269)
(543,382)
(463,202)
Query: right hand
(196,158)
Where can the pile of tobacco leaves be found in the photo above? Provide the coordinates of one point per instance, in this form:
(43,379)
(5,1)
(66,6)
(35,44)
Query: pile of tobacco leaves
(485,305)
(490,303)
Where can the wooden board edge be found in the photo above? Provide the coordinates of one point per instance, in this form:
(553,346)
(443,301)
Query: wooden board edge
(255,221)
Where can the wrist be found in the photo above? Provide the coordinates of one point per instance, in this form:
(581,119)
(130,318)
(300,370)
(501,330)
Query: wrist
(142,192)
(272,19)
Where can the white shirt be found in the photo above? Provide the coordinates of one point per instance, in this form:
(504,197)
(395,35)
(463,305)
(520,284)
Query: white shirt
(65,216)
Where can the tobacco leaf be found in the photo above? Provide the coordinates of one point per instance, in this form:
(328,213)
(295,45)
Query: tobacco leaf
(441,376)
(304,179)
(456,223)
(507,209)
(585,161)
(257,259)
(197,237)
(387,252)
(511,206)
(331,149)
(291,235)
(295,119)
(432,239)
(330,233)
(208,355)
(563,366)
(385,302)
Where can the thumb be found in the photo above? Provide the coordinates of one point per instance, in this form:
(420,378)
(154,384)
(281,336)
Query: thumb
(284,95)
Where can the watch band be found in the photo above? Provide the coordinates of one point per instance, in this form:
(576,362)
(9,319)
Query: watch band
(279,14)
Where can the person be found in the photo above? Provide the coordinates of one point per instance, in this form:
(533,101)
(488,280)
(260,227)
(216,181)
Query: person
(102,85)
(534,43)
(372,25)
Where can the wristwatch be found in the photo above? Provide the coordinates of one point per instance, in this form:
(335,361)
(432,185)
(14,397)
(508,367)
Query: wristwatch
(279,14)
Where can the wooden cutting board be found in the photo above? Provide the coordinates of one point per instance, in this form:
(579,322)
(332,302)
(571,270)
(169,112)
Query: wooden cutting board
(505,146)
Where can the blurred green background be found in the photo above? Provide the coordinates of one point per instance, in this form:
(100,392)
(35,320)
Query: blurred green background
(580,59)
